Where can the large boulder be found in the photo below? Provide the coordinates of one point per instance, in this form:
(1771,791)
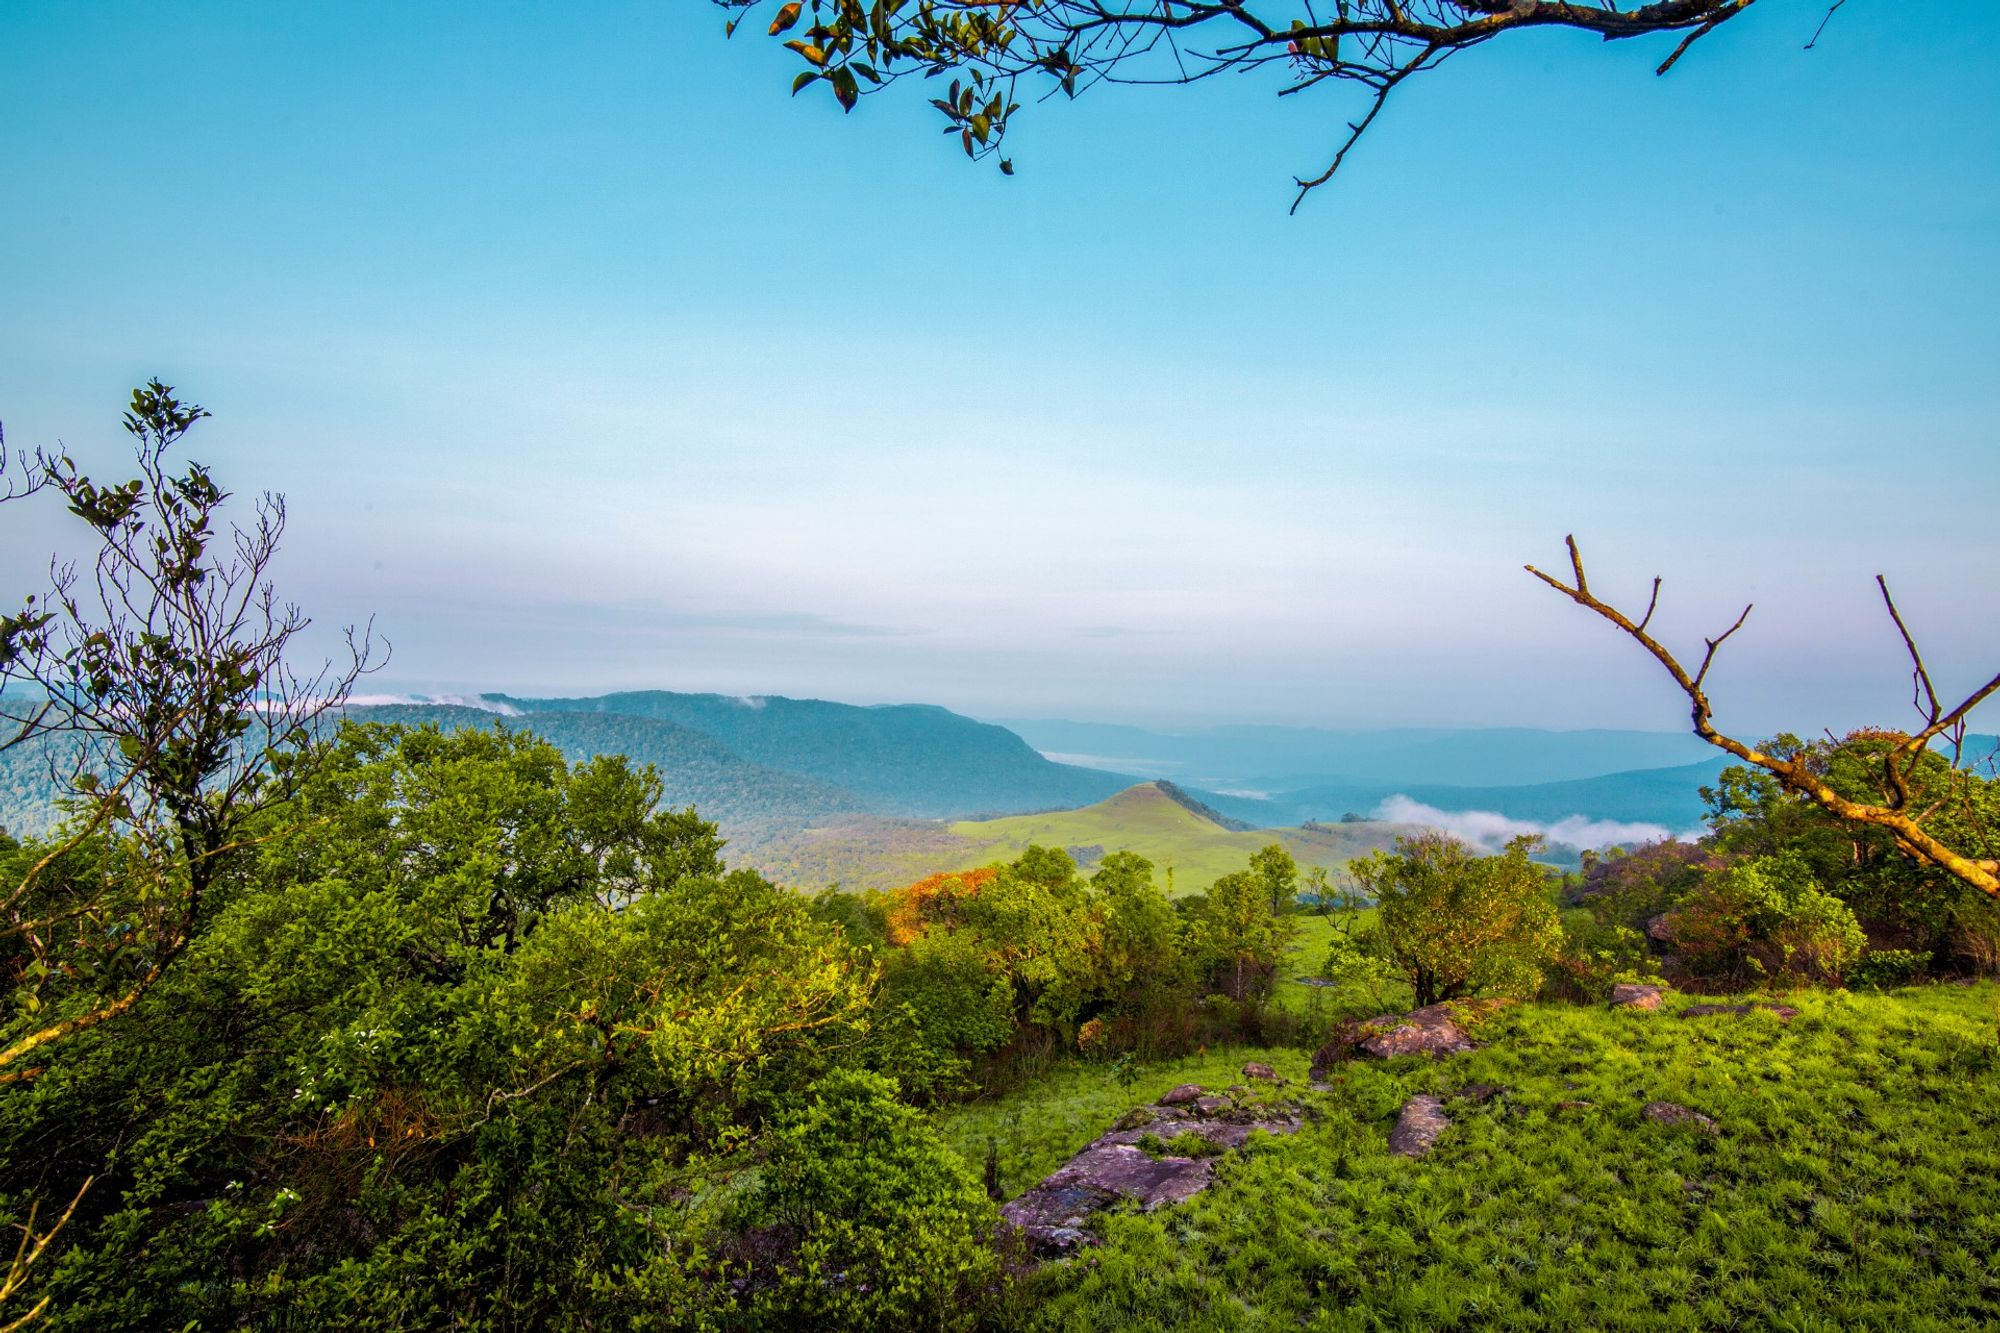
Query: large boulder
(1418,1127)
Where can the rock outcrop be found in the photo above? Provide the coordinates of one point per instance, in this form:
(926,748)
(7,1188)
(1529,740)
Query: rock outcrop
(1115,1168)
(1431,1030)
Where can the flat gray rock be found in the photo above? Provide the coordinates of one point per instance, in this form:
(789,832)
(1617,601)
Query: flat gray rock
(1113,1169)
(1418,1127)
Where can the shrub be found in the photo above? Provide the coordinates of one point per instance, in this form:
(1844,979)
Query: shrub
(939,1008)
(1628,888)
(1886,969)
(1594,957)
(1975,937)
(887,1226)
(1765,918)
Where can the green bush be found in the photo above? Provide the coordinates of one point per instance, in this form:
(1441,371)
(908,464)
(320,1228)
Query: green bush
(1594,957)
(1762,919)
(887,1227)
(1886,969)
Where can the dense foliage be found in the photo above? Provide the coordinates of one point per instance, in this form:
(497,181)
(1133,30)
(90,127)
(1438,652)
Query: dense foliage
(473,1037)
(1783,891)
(472,1046)
(1457,923)
(470,1036)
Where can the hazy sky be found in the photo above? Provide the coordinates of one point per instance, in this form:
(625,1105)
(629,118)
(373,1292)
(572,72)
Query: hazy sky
(589,359)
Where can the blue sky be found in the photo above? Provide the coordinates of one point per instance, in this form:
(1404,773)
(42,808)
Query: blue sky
(589,359)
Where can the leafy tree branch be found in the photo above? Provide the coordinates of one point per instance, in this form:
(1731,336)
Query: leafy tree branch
(998,53)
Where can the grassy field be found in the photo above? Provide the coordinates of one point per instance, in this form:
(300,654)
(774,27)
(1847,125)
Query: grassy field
(1145,820)
(1854,1182)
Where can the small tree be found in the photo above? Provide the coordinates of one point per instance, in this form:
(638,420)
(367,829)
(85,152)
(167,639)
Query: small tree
(1455,922)
(1238,936)
(158,678)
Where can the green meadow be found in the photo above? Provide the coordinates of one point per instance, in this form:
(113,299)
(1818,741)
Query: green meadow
(1853,1181)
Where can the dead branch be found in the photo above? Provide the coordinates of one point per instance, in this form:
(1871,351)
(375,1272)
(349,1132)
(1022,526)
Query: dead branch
(1910,834)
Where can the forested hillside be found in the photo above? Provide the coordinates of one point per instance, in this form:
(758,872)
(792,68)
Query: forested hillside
(695,768)
(764,769)
(905,759)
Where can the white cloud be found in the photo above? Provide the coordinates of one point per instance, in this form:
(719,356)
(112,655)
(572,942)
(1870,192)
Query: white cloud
(484,705)
(1488,830)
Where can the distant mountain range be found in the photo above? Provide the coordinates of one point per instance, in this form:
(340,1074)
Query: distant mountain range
(814,792)
(910,760)
(1262,760)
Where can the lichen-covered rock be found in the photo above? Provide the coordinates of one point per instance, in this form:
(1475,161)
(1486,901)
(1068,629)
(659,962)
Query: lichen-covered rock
(1785,1013)
(1181,1096)
(1636,995)
(1258,1069)
(1431,1030)
(1675,1115)
(1051,1216)
(1212,1105)
(1418,1127)
(1658,931)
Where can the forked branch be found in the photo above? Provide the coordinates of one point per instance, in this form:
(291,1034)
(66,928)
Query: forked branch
(1794,771)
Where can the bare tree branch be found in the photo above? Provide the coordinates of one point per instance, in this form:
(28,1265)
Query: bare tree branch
(1910,834)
